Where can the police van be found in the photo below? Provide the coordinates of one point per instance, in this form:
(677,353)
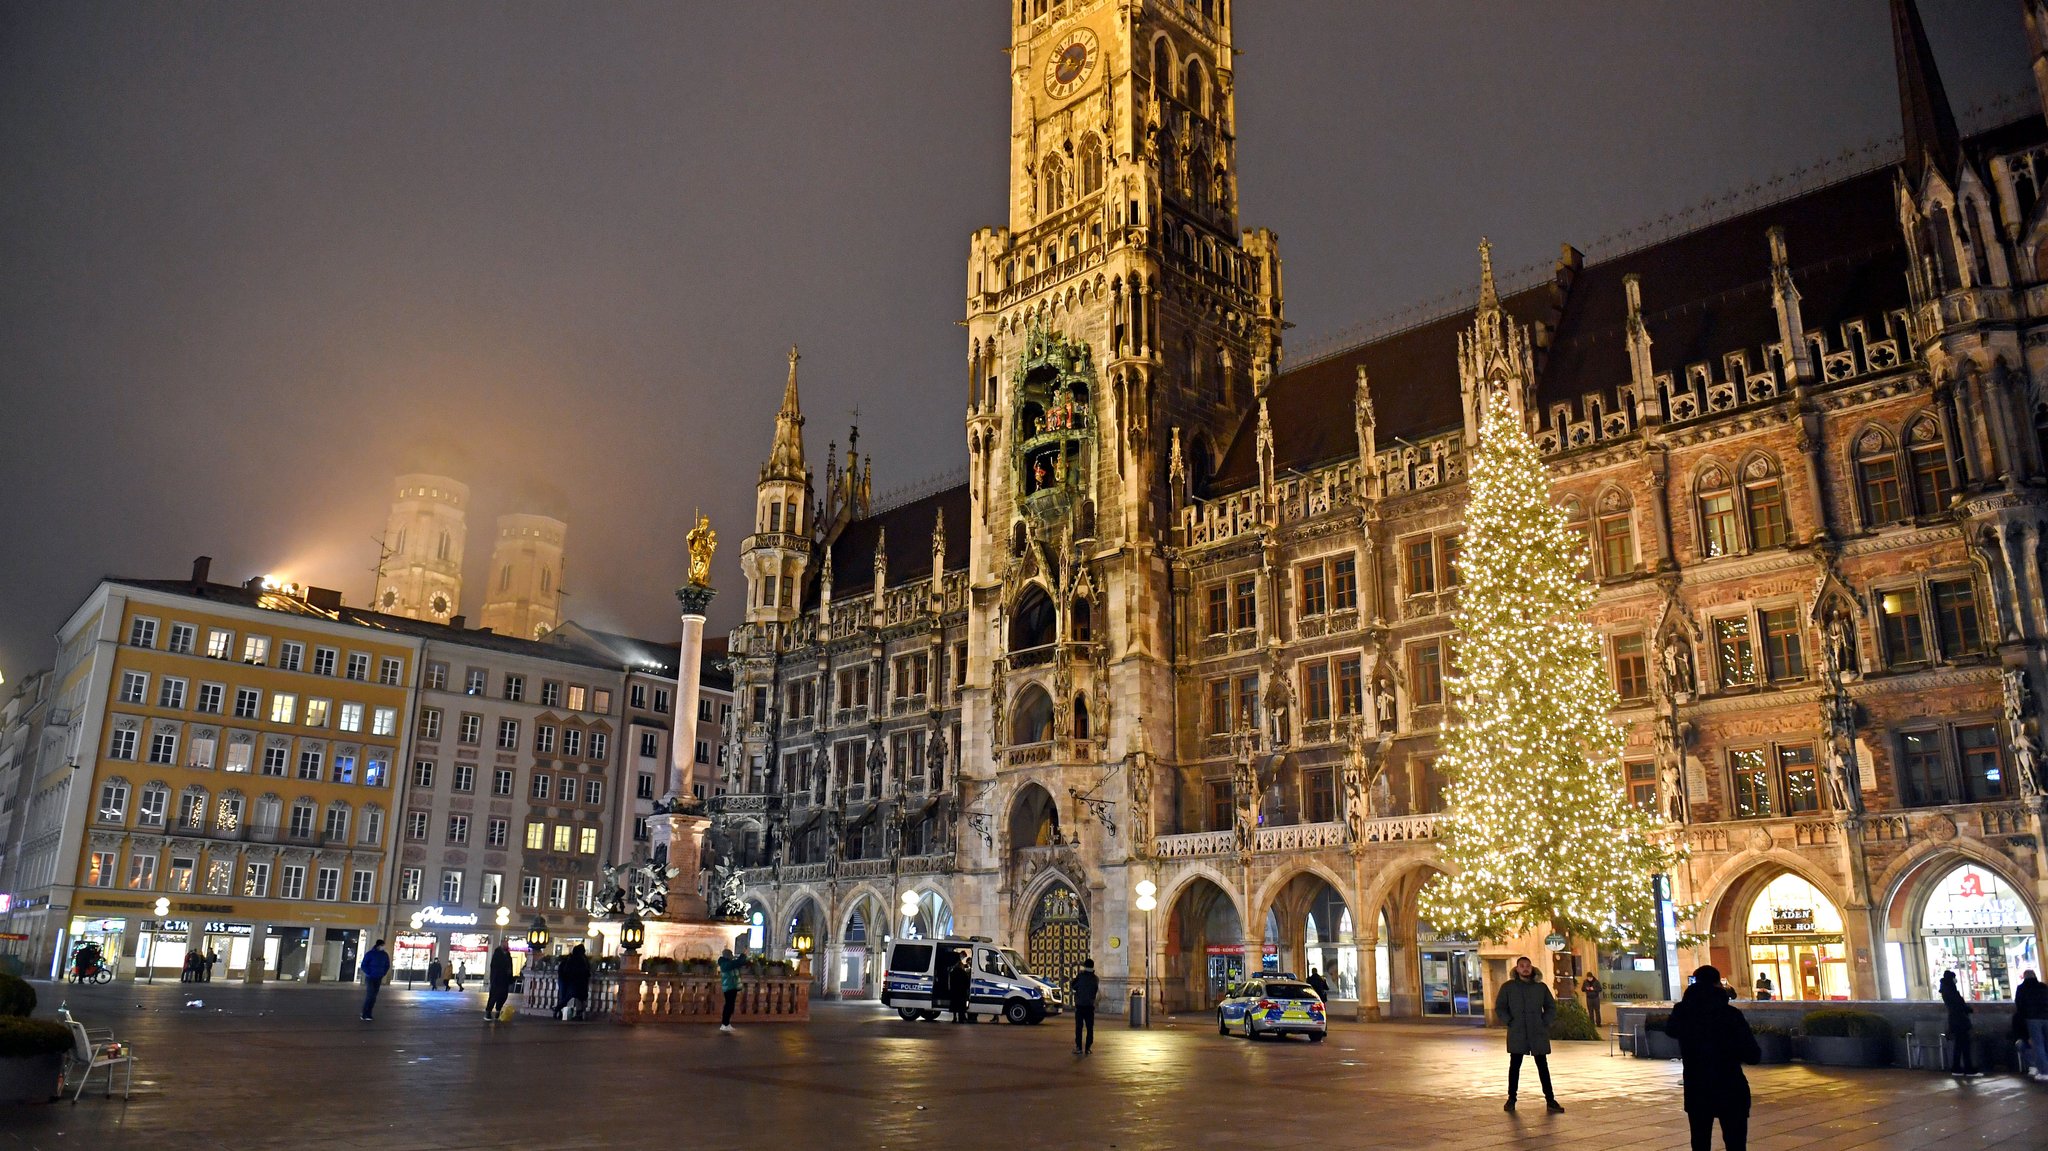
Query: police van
(1002,984)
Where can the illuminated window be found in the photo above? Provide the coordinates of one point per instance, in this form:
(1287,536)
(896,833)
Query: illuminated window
(563,836)
(1631,666)
(586,842)
(283,707)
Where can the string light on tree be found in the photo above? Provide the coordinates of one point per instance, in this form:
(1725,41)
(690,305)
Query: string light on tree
(1538,824)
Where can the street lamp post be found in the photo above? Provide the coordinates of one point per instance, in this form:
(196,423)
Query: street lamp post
(1141,1015)
(162,909)
(412,968)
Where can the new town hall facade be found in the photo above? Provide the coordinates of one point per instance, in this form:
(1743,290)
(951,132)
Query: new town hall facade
(1188,619)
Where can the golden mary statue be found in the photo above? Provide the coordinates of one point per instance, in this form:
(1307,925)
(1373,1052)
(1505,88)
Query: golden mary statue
(703,541)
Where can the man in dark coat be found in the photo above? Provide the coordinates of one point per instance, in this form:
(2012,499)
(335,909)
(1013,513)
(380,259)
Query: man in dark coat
(1591,990)
(1525,1007)
(1086,987)
(1714,1040)
(376,965)
(501,981)
(1322,986)
(959,982)
(572,977)
(2030,1023)
(1962,1059)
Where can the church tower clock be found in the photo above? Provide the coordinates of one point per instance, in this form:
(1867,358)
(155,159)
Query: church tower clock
(1120,329)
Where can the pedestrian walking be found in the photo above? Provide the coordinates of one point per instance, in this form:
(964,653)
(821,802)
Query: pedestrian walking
(190,972)
(1714,1041)
(1322,986)
(456,975)
(212,957)
(434,974)
(376,965)
(1086,987)
(1591,990)
(1962,1058)
(1525,1007)
(729,966)
(572,982)
(959,985)
(500,981)
(2030,1023)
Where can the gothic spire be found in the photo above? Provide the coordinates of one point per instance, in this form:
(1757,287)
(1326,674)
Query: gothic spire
(786,457)
(1489,296)
(1930,127)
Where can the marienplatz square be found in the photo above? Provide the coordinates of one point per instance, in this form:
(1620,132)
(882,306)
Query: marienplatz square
(1635,660)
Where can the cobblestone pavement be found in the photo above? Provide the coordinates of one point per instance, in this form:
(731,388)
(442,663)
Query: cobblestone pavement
(293,1067)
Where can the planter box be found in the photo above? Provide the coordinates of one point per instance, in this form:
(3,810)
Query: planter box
(1776,1048)
(1847,1051)
(31,1078)
(1655,1044)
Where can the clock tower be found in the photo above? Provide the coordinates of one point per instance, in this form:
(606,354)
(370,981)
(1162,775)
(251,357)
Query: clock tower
(1121,329)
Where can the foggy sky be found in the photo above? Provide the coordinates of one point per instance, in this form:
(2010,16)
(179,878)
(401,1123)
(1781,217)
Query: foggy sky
(255,260)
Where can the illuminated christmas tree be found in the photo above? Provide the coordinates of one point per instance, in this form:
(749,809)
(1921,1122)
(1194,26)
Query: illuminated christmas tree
(1538,824)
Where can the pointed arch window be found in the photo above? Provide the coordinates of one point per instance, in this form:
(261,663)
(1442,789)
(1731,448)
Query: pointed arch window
(1614,529)
(1081,717)
(1927,456)
(1052,180)
(1877,479)
(1162,67)
(1719,535)
(1763,503)
(1091,165)
(1196,90)
(1576,519)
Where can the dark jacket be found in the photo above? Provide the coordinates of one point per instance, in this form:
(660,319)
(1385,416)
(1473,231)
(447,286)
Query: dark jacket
(1959,1009)
(2029,1001)
(1714,1040)
(1321,985)
(376,965)
(574,976)
(1086,986)
(959,983)
(1525,1007)
(501,971)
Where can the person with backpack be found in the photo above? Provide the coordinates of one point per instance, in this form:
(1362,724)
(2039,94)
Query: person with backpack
(376,965)
(572,982)
(1962,1059)
(1714,1041)
(1086,988)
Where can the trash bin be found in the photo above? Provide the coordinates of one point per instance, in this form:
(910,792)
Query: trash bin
(1141,1013)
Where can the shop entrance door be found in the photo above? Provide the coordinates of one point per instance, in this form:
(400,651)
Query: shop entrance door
(1451,983)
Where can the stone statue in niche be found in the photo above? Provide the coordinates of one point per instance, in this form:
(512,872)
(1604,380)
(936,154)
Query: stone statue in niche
(1678,668)
(2026,751)
(1838,647)
(1384,703)
(1671,770)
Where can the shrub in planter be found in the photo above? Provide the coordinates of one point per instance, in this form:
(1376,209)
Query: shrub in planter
(1572,1022)
(17,998)
(660,965)
(31,1058)
(1775,1042)
(1842,1037)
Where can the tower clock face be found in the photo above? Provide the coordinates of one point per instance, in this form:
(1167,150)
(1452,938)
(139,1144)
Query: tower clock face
(1073,59)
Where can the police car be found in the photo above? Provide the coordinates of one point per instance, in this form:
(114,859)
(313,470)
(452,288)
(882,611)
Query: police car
(1002,986)
(1273,1005)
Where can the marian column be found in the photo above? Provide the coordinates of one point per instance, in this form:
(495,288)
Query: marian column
(680,824)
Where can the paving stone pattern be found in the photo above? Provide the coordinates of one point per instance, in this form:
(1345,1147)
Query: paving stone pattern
(290,1067)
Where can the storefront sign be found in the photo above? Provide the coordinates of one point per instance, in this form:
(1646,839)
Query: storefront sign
(1791,919)
(1238,949)
(6,903)
(1555,942)
(442,917)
